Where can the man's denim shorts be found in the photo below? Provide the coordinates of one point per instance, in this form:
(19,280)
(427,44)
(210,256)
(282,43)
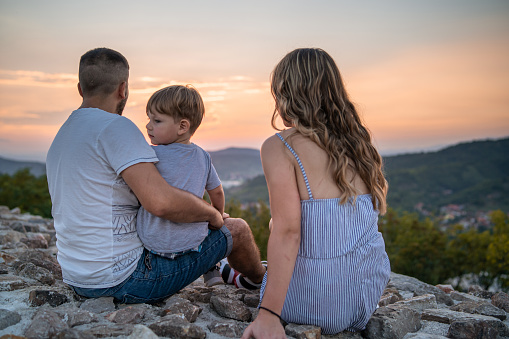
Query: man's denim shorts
(157,278)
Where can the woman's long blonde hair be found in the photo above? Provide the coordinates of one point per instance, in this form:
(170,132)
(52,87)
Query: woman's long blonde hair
(310,95)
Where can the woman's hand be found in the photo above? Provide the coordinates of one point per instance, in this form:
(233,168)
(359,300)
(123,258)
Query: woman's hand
(265,326)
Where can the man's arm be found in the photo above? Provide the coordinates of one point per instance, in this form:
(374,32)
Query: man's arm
(217,198)
(165,201)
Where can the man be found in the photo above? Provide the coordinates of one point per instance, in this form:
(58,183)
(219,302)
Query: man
(98,167)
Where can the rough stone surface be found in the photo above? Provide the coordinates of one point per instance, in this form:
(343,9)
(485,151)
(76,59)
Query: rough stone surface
(233,309)
(45,324)
(501,300)
(478,291)
(303,331)
(480,307)
(467,323)
(8,318)
(41,297)
(392,322)
(98,305)
(35,303)
(227,329)
(127,315)
(175,326)
(474,330)
(419,303)
(176,305)
(417,287)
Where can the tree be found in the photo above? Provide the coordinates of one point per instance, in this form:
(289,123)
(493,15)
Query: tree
(27,192)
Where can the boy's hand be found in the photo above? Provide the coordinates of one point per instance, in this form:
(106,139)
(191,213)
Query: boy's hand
(225,216)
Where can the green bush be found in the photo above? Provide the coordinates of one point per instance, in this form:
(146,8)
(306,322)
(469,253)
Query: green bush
(27,192)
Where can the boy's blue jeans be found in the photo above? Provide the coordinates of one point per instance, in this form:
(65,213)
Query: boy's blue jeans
(157,278)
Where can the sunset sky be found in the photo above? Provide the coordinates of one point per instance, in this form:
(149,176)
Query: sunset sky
(423,74)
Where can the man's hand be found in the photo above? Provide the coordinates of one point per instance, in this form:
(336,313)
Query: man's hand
(216,222)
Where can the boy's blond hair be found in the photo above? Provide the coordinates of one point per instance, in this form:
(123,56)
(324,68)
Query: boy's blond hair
(179,102)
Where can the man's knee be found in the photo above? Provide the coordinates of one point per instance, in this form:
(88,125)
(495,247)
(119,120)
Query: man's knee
(238,228)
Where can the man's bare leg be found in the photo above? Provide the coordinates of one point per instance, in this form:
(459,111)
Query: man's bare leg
(245,255)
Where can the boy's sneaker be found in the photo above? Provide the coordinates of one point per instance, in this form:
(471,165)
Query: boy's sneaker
(233,277)
(212,277)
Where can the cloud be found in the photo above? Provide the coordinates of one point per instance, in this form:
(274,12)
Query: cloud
(37,78)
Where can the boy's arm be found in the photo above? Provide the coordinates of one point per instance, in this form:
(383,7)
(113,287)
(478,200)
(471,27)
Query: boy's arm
(165,201)
(217,198)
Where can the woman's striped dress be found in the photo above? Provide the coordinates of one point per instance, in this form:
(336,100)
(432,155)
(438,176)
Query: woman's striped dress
(342,267)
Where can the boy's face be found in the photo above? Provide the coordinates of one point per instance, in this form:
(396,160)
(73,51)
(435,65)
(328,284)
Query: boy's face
(162,129)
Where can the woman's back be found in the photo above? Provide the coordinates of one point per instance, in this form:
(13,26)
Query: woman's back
(319,172)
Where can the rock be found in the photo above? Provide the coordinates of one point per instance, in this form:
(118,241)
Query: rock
(11,283)
(501,300)
(29,270)
(303,331)
(35,240)
(128,315)
(45,324)
(196,294)
(8,318)
(480,292)
(474,329)
(233,309)
(477,322)
(71,333)
(228,329)
(409,284)
(10,236)
(390,296)
(252,300)
(142,331)
(76,316)
(460,296)
(423,336)
(392,322)
(42,259)
(446,288)
(40,297)
(344,335)
(175,305)
(411,308)
(113,330)
(174,326)
(419,303)
(99,305)
(480,307)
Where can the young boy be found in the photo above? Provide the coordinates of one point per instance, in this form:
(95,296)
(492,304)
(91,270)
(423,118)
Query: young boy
(175,112)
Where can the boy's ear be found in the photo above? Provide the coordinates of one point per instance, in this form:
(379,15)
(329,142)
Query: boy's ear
(184,126)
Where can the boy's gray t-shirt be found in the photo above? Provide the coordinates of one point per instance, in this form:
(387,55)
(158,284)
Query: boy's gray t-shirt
(188,167)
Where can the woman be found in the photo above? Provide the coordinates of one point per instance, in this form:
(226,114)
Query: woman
(327,264)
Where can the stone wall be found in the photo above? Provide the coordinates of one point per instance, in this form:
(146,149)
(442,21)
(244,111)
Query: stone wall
(34,303)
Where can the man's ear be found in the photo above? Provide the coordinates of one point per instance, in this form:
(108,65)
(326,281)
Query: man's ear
(122,90)
(79,90)
(184,126)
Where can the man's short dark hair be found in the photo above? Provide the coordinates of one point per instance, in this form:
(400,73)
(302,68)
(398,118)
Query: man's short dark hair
(101,71)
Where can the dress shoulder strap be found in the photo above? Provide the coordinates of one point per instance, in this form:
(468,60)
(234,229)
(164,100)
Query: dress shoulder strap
(300,165)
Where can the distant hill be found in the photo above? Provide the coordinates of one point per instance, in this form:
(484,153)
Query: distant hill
(237,163)
(232,164)
(10,167)
(474,174)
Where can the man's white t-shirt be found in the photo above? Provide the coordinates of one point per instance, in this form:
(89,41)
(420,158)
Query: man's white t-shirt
(94,210)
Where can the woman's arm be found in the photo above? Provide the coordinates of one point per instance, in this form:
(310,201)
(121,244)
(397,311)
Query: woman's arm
(284,239)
